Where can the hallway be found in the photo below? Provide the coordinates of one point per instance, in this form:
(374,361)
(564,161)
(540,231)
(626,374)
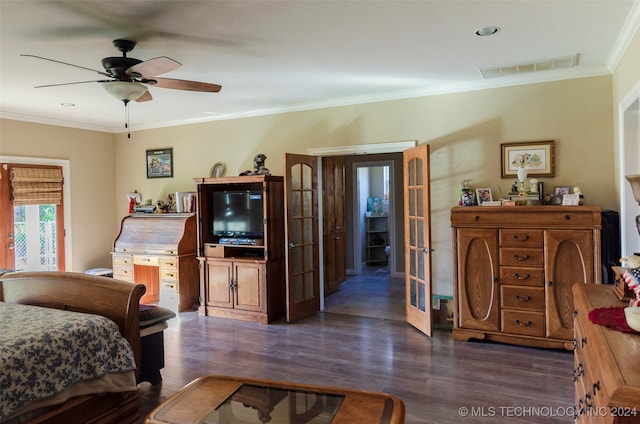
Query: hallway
(372,294)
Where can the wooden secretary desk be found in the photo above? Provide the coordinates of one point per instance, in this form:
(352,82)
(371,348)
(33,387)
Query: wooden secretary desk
(159,251)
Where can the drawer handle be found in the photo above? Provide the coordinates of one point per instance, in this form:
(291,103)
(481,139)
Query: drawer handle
(477,218)
(587,400)
(567,217)
(171,275)
(522,299)
(526,323)
(524,258)
(525,238)
(521,277)
(577,372)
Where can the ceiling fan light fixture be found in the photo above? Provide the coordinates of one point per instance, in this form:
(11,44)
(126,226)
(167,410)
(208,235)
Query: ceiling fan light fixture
(125,91)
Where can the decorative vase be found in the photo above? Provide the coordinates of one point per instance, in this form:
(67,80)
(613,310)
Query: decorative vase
(522,176)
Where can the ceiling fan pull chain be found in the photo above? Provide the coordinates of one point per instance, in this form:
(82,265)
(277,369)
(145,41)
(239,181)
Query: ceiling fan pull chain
(126,118)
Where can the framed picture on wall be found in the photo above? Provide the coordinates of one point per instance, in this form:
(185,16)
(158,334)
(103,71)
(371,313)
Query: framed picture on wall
(160,163)
(538,158)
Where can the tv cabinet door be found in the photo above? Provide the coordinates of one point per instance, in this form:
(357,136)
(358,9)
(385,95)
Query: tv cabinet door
(250,286)
(218,283)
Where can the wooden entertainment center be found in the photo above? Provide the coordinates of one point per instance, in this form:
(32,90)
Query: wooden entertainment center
(242,269)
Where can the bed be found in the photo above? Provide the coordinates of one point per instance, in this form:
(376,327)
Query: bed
(103,313)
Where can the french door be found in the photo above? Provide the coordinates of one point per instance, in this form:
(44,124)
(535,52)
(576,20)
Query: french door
(417,238)
(301,209)
(31,218)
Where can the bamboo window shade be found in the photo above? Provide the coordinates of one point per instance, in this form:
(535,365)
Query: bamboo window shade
(36,186)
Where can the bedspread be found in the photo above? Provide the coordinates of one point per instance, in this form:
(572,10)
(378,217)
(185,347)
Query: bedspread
(43,351)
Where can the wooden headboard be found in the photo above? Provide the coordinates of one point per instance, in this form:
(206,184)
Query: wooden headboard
(74,291)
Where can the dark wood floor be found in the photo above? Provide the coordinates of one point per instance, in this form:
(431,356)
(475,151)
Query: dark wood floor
(435,377)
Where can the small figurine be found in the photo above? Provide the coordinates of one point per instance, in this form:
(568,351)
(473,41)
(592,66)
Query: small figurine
(258,166)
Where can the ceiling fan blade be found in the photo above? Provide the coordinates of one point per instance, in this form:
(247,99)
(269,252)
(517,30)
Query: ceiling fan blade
(152,67)
(145,97)
(177,84)
(69,83)
(68,64)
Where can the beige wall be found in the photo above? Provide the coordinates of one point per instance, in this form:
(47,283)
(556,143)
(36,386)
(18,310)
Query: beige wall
(91,166)
(464,130)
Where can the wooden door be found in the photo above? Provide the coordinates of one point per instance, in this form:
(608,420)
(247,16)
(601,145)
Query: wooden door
(333,222)
(568,260)
(218,285)
(249,286)
(417,238)
(301,210)
(477,269)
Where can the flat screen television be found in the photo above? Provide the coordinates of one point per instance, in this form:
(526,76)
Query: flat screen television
(237,213)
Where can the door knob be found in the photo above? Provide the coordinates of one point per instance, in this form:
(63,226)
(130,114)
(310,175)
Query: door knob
(291,245)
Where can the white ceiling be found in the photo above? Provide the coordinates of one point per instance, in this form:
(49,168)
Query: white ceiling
(275,56)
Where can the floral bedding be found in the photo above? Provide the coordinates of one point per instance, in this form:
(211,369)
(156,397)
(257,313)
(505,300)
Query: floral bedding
(43,351)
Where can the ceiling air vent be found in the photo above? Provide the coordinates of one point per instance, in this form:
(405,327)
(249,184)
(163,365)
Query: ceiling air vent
(566,62)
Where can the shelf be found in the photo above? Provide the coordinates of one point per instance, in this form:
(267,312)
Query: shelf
(377,239)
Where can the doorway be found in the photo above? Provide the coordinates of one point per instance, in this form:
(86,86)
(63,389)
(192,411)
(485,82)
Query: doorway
(629,115)
(373,223)
(32,216)
(374,286)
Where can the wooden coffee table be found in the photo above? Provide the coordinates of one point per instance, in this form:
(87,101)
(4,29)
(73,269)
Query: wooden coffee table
(216,399)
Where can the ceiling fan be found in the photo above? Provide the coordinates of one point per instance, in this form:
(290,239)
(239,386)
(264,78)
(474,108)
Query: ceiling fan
(129,76)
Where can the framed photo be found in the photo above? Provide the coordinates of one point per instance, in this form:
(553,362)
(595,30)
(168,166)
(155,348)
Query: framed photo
(538,157)
(160,163)
(559,193)
(483,195)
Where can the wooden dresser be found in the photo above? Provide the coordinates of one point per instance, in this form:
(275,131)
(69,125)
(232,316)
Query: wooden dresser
(514,267)
(606,372)
(159,251)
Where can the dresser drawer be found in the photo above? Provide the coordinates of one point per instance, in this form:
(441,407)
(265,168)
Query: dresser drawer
(123,273)
(126,260)
(168,274)
(169,263)
(527,216)
(521,238)
(148,260)
(521,257)
(527,323)
(522,297)
(522,276)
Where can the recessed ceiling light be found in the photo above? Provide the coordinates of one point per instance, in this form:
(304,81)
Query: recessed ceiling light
(67,104)
(486,31)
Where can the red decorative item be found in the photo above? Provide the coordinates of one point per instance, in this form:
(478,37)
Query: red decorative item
(132,203)
(611,317)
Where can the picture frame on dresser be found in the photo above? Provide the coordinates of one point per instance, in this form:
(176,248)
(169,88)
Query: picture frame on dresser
(159,163)
(483,195)
(538,156)
(559,193)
